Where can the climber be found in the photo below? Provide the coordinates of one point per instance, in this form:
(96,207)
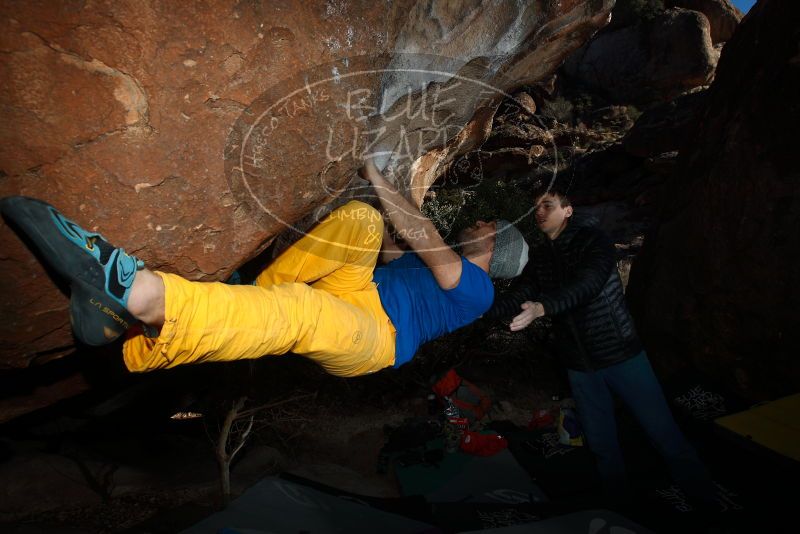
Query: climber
(322,298)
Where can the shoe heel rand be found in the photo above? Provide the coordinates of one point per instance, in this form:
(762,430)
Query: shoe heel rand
(96,318)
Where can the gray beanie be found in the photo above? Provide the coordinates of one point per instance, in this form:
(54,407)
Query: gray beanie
(510,251)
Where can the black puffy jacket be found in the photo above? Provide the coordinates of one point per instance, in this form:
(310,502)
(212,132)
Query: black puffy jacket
(576,280)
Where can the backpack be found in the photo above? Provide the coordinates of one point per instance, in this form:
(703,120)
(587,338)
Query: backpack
(472,403)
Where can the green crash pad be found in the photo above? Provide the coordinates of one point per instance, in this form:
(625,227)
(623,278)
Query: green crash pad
(461,477)
(560,470)
(775,425)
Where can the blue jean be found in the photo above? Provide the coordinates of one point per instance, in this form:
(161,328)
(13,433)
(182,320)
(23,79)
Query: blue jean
(636,384)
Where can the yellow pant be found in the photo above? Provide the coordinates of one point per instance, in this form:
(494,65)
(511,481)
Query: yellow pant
(317,299)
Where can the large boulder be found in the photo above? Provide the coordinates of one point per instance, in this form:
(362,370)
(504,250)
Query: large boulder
(722,15)
(718,282)
(665,127)
(193,136)
(650,61)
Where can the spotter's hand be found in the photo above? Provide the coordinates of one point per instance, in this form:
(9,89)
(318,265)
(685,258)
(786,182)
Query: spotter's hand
(530,312)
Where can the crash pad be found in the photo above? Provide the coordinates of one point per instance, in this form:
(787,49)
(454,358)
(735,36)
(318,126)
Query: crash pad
(575,523)
(461,477)
(774,425)
(278,506)
(560,470)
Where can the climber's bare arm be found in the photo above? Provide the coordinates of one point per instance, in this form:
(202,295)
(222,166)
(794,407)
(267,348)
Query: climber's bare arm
(389,249)
(416,229)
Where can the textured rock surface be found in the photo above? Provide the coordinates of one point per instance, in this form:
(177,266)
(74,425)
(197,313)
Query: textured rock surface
(718,281)
(544,32)
(126,115)
(650,61)
(118,113)
(722,15)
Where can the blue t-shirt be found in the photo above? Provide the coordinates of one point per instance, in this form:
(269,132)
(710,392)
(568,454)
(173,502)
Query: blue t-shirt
(420,310)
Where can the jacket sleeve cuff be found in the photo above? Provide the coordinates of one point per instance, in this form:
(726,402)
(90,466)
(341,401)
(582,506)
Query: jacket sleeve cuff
(547,305)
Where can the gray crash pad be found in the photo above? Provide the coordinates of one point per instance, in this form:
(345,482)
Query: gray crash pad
(278,506)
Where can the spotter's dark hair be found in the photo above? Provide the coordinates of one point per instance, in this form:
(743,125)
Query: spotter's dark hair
(557,189)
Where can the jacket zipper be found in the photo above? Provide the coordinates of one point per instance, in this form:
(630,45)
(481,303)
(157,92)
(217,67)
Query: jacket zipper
(561,268)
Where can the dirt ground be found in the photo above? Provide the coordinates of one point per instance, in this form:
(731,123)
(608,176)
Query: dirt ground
(64,474)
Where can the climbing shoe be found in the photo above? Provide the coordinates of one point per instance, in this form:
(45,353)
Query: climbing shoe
(100,275)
